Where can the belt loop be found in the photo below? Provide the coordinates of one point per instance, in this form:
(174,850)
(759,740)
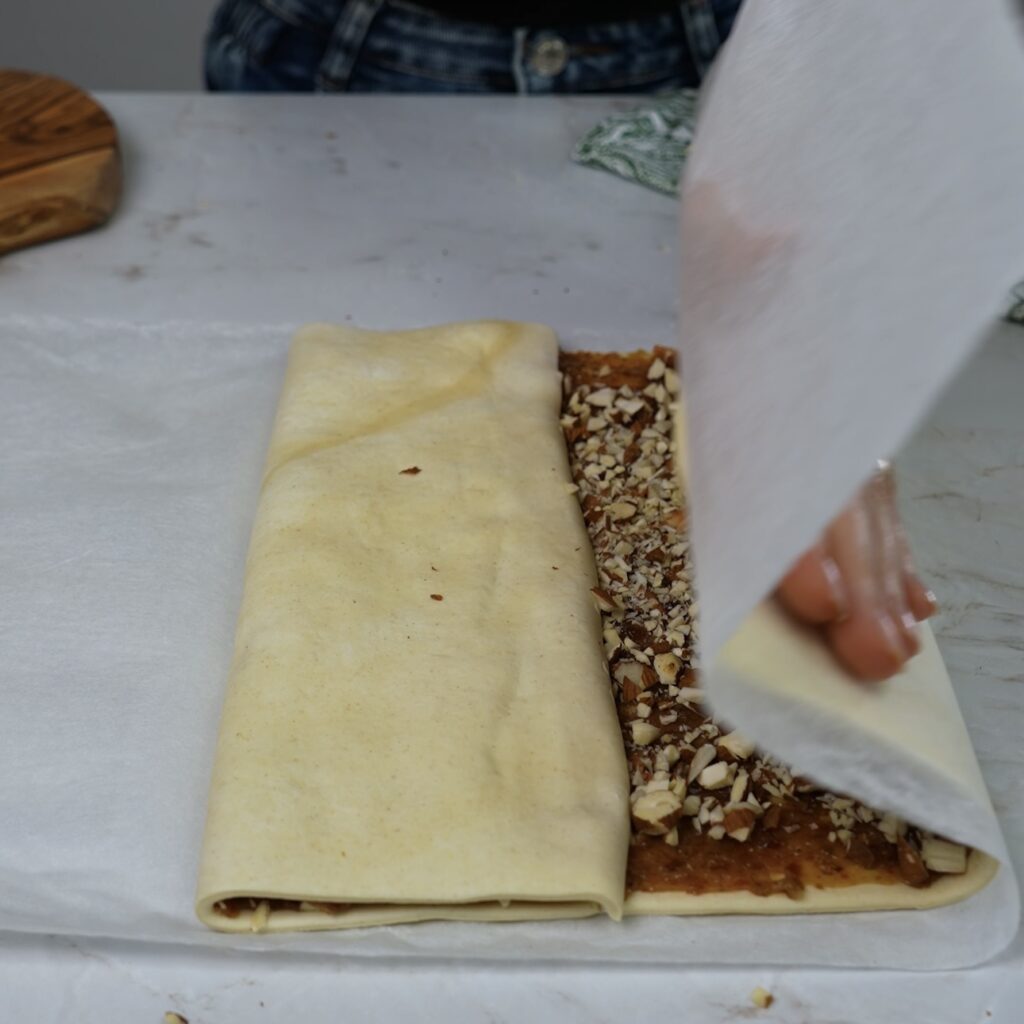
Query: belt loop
(519,61)
(702,33)
(347,38)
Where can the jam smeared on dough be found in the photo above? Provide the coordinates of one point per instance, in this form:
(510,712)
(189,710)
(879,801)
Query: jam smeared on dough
(709,812)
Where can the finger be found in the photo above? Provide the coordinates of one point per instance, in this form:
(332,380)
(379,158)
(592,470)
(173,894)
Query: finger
(868,642)
(922,601)
(812,590)
(888,556)
(870,649)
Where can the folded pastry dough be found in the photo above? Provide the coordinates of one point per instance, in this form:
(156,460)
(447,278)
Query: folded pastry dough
(418,721)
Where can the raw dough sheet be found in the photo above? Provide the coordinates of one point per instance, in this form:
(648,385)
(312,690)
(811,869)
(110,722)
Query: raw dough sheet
(133,456)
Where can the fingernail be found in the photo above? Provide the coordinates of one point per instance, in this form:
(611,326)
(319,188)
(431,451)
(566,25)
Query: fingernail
(836,587)
(932,600)
(911,633)
(895,647)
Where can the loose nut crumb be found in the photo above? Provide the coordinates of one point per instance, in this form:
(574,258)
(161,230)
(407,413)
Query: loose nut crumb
(411,471)
(739,786)
(891,827)
(602,397)
(676,519)
(170,1017)
(605,601)
(739,820)
(701,759)
(654,814)
(668,667)
(944,857)
(620,510)
(644,733)
(630,406)
(689,695)
(737,745)
(260,917)
(630,671)
(717,775)
(761,998)
(437,597)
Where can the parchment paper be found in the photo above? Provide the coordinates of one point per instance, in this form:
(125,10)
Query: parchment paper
(852,217)
(130,460)
(852,214)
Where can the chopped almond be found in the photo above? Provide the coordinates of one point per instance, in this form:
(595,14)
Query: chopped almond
(644,733)
(943,857)
(655,813)
(737,745)
(605,602)
(717,775)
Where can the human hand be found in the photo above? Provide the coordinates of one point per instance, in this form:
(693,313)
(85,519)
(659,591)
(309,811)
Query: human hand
(858,584)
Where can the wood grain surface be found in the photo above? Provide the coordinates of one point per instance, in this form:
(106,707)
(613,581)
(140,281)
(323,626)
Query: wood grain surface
(60,167)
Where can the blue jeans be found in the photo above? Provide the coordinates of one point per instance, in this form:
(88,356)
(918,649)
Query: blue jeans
(394,46)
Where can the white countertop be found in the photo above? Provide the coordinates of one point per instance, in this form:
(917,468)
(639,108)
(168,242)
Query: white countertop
(403,211)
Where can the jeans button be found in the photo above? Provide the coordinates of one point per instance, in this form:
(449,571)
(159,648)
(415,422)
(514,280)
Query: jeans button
(549,56)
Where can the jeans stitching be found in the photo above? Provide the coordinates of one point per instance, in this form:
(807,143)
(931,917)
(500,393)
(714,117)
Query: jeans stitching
(519,62)
(607,84)
(437,35)
(283,14)
(246,33)
(701,33)
(430,74)
(346,42)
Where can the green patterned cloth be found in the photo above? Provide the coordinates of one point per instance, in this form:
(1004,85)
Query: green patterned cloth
(647,145)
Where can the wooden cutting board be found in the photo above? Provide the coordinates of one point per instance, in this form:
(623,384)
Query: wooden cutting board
(60,168)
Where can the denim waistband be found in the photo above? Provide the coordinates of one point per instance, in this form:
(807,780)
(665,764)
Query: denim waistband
(360,44)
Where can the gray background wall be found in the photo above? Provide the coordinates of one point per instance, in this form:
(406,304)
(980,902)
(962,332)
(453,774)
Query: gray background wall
(107,44)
